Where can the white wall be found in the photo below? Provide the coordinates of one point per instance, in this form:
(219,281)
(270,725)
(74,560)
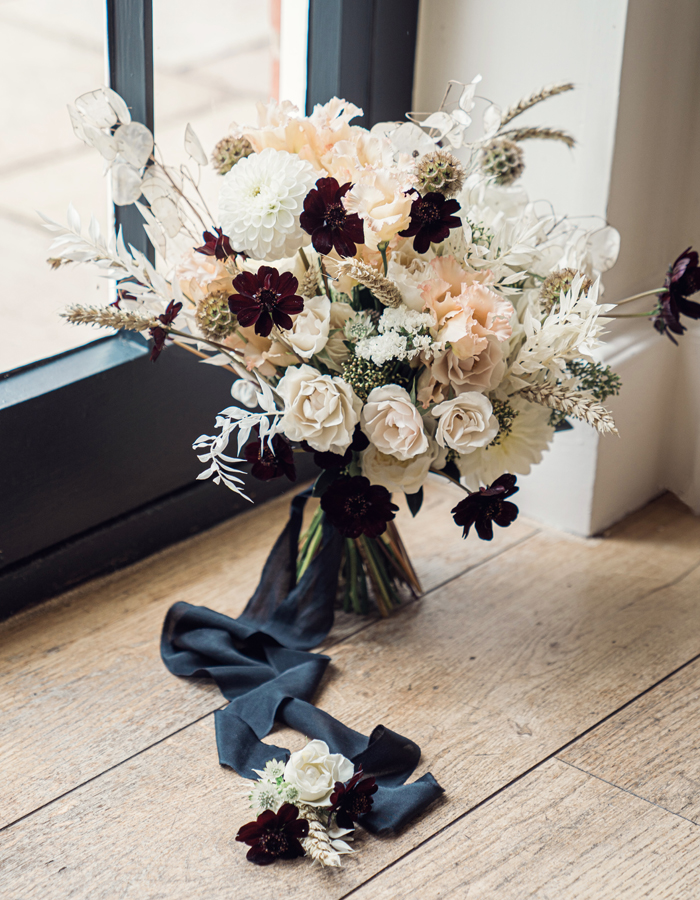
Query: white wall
(636,115)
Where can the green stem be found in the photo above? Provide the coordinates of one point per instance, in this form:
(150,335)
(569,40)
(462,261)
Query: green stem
(379,576)
(355,599)
(311,540)
(303,258)
(231,351)
(381,246)
(643,294)
(642,315)
(450,478)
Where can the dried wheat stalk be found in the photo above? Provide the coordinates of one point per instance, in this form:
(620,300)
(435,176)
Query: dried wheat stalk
(109,317)
(382,287)
(309,286)
(317,845)
(572,403)
(543,134)
(533,99)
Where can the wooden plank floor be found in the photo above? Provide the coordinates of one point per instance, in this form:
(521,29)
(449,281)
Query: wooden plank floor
(552,683)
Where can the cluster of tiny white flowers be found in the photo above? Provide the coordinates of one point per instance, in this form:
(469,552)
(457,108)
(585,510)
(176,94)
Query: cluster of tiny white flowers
(403,334)
(402,318)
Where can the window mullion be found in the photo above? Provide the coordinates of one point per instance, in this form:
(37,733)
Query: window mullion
(130,54)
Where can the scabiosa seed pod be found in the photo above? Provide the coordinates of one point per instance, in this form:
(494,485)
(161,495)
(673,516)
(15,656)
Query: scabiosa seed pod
(440,171)
(558,283)
(229,151)
(502,160)
(215,318)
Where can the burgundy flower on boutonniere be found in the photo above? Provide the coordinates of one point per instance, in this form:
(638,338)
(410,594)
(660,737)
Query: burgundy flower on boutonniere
(160,334)
(682,280)
(274,835)
(264,299)
(432,217)
(216,245)
(355,507)
(328,222)
(270,462)
(488,505)
(351,801)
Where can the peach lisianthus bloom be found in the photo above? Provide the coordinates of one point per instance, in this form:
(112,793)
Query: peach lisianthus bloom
(256,350)
(201,275)
(379,200)
(477,373)
(311,137)
(467,311)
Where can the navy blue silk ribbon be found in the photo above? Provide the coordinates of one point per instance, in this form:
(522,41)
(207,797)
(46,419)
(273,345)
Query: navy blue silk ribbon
(261,665)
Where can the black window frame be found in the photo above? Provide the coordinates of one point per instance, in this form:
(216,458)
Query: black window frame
(96,465)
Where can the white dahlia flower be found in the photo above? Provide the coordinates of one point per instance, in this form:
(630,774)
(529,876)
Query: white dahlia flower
(260,201)
(516,452)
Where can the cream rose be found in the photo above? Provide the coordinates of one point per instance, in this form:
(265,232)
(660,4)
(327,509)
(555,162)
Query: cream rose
(314,771)
(320,409)
(393,424)
(465,423)
(310,332)
(407,475)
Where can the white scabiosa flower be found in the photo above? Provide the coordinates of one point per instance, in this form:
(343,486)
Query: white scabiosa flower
(260,201)
(518,450)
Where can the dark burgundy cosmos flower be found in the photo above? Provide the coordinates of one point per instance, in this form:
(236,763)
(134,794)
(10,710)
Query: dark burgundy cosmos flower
(327,221)
(215,245)
(274,835)
(351,801)
(270,462)
(432,217)
(265,298)
(488,505)
(682,280)
(355,507)
(160,334)
(328,460)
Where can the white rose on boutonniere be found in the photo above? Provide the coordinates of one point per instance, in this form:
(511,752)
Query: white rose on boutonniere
(465,423)
(314,771)
(320,409)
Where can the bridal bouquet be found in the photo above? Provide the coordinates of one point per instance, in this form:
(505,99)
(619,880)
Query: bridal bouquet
(388,300)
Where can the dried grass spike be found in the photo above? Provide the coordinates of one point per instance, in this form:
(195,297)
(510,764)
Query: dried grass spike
(382,287)
(572,403)
(109,317)
(310,283)
(539,133)
(528,102)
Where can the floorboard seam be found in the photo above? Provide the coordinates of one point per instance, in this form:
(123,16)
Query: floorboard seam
(110,769)
(223,706)
(625,790)
(524,774)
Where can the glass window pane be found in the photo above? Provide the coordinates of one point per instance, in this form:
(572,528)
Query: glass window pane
(50,53)
(210,71)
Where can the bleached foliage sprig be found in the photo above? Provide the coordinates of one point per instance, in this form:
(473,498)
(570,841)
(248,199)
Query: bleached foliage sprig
(211,449)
